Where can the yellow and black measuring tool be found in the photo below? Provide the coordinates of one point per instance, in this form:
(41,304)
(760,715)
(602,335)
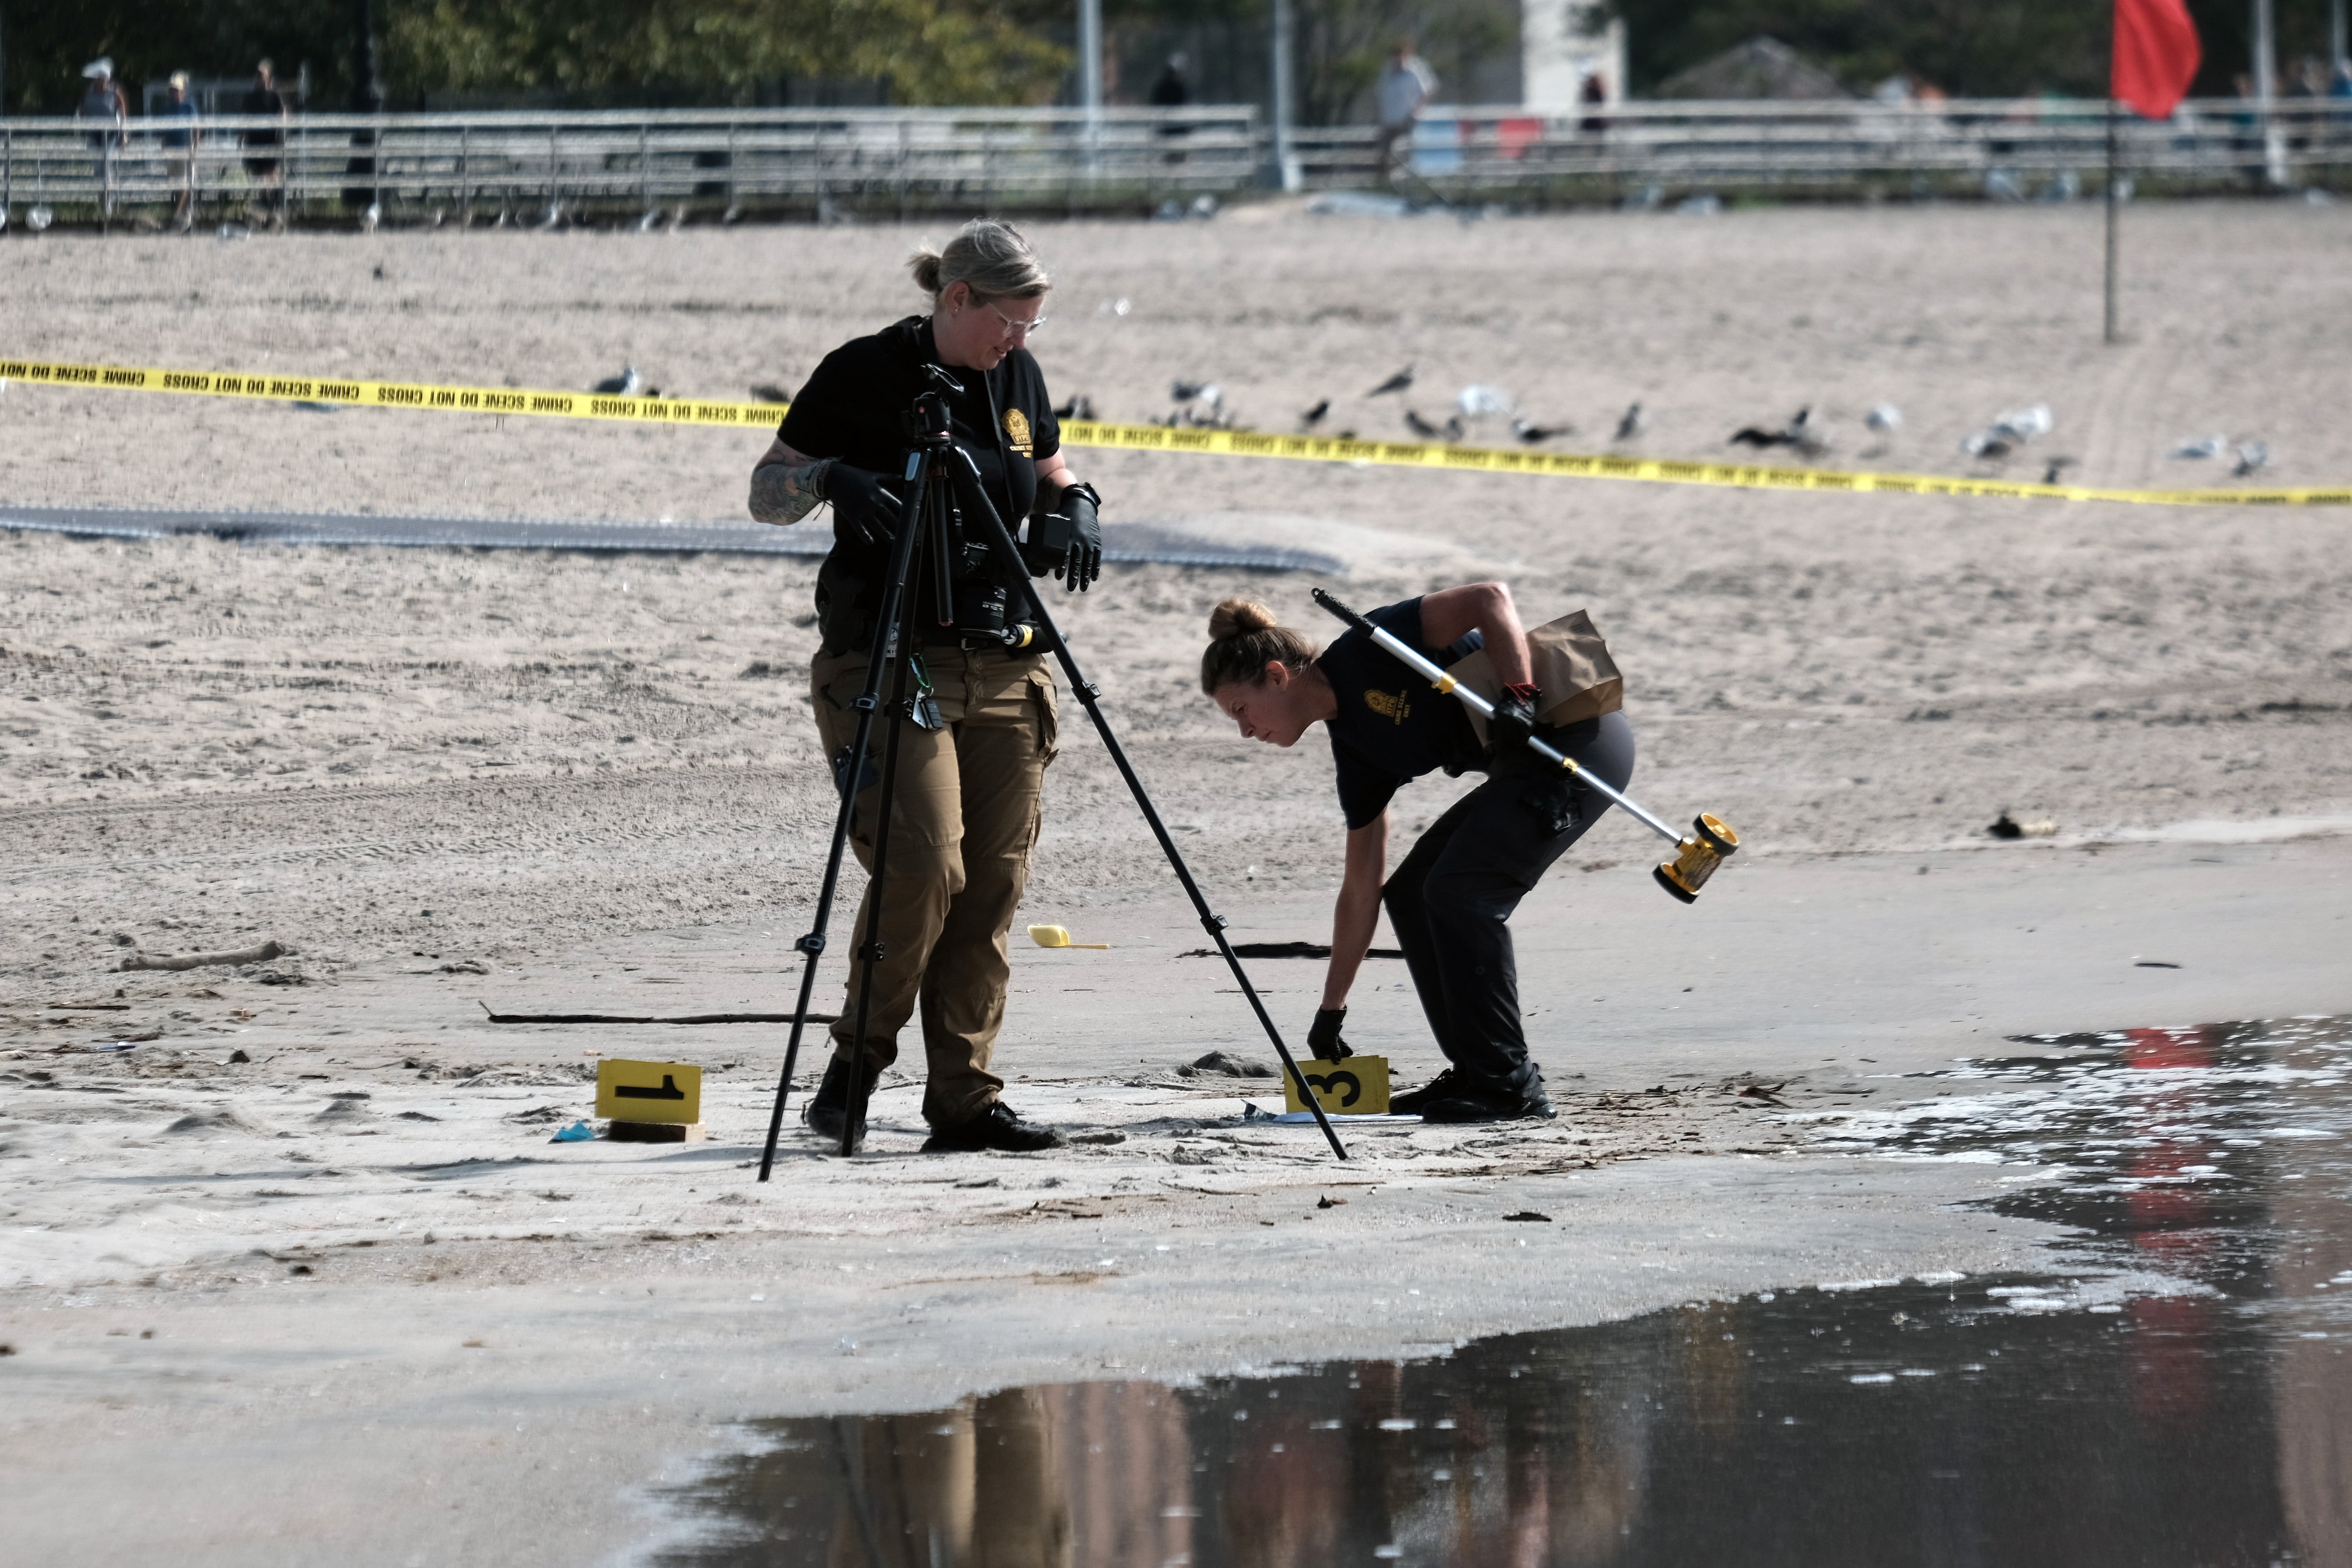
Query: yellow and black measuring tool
(1695,856)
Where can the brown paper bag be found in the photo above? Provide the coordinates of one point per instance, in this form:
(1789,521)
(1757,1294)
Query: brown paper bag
(1572,668)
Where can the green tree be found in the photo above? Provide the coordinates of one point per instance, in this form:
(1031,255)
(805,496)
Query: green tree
(1971,49)
(930,51)
(933,51)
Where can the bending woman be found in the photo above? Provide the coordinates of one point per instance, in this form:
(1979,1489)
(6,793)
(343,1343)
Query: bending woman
(1448,901)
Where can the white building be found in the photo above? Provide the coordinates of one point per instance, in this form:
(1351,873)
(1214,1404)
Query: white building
(1562,44)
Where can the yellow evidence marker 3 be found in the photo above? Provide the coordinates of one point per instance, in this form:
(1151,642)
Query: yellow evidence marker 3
(1358,1086)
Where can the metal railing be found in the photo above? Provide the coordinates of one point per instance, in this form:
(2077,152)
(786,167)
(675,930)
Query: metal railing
(1997,147)
(534,169)
(542,168)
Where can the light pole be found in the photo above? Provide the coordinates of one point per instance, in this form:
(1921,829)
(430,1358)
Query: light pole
(1090,86)
(1286,165)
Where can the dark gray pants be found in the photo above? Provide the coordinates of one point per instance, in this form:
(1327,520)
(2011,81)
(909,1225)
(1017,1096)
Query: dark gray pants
(1448,900)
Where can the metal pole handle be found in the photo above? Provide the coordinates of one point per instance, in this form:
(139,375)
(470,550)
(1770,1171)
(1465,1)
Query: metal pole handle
(1412,658)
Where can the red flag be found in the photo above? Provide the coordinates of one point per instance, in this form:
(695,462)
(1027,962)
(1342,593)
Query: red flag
(2156,55)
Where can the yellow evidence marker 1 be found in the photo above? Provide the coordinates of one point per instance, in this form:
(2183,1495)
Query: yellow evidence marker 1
(1358,1086)
(667,1092)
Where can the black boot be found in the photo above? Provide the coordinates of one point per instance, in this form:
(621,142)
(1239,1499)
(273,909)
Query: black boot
(995,1127)
(1463,1102)
(828,1107)
(1410,1102)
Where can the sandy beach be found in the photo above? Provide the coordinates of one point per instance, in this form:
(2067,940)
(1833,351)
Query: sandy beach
(456,782)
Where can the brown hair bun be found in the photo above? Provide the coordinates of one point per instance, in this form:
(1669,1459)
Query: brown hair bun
(1233,616)
(1244,639)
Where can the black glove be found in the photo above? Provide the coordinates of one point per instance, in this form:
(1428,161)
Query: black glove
(864,508)
(1323,1039)
(1081,564)
(1513,719)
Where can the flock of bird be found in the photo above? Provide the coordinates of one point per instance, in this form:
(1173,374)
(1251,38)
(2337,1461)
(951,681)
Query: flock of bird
(1202,405)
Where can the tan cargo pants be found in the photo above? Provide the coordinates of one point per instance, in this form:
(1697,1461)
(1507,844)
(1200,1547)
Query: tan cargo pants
(965,820)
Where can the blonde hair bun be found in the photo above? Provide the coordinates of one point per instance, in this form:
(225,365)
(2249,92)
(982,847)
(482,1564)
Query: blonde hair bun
(1233,617)
(989,254)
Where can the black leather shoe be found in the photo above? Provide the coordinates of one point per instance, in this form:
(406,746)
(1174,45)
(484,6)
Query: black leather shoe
(1410,1102)
(1463,1103)
(828,1107)
(996,1128)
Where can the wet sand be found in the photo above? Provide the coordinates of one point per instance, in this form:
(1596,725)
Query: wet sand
(544,781)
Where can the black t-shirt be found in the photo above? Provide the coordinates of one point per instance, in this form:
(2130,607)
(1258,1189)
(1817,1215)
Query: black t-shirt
(854,408)
(264,101)
(1393,725)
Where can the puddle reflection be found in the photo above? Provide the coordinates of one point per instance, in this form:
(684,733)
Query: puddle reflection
(2183,1399)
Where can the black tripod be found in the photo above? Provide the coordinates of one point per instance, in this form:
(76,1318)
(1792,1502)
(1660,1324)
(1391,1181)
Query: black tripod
(945,491)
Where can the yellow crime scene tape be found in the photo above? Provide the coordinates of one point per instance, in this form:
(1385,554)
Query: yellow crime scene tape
(532,403)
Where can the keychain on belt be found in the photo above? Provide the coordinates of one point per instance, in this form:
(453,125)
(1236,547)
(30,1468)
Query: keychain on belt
(923,708)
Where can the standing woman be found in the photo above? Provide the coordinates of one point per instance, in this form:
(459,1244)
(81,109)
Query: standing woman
(1448,901)
(971,771)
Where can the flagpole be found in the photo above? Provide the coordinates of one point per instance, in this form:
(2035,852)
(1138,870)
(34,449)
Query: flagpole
(2112,205)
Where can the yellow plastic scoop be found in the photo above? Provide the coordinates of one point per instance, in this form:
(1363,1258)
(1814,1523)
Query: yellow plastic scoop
(1058,936)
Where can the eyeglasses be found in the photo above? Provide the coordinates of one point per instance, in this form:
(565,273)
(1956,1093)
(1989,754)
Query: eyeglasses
(1013,329)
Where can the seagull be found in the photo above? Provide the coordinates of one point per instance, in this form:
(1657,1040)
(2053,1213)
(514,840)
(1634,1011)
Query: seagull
(555,215)
(677,218)
(1422,427)
(1396,383)
(37,219)
(2019,426)
(371,217)
(767,391)
(731,216)
(1185,391)
(1314,416)
(1532,433)
(2010,431)
(1080,406)
(1884,417)
(2211,447)
(1628,426)
(1478,401)
(438,214)
(628,383)
(2049,473)
(2252,455)
(651,221)
(1798,433)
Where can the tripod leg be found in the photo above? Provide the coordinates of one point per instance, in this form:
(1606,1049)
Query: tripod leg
(976,502)
(868,703)
(869,952)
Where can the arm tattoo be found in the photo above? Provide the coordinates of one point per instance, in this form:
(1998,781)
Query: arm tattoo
(784,493)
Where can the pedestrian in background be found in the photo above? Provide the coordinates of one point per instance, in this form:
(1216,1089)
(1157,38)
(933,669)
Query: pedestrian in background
(1405,84)
(180,143)
(268,173)
(102,102)
(1173,91)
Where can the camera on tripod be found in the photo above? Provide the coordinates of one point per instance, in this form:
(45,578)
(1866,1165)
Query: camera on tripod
(968,599)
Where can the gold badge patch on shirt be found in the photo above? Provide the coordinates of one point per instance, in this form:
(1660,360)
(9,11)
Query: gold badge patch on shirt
(1393,708)
(1016,431)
